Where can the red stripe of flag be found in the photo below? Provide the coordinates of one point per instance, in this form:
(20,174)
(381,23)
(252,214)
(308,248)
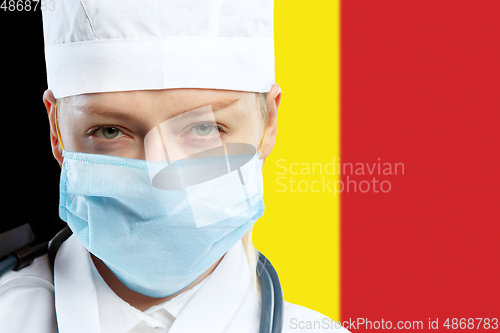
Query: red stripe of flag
(420,85)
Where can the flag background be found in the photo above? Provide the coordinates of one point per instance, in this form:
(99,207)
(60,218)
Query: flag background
(412,82)
(418,86)
(299,231)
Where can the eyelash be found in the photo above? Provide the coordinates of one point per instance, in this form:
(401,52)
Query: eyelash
(92,131)
(220,128)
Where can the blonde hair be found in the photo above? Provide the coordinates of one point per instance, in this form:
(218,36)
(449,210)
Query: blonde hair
(250,250)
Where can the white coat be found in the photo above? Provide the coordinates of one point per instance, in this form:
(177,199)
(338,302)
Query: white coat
(32,300)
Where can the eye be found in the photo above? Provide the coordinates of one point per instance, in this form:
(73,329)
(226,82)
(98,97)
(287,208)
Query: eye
(108,132)
(204,129)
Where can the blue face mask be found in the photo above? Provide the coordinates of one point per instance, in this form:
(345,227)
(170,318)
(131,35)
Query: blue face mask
(158,240)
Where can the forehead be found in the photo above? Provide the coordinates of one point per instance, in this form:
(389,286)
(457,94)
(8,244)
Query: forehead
(174,101)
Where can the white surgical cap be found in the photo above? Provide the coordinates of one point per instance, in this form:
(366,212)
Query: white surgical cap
(119,45)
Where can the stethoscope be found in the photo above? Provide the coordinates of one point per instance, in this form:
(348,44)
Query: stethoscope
(17,254)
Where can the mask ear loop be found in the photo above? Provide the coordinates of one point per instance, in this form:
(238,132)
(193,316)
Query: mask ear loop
(262,141)
(57,128)
(262,146)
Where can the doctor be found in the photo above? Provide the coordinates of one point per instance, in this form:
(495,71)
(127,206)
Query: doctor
(161,115)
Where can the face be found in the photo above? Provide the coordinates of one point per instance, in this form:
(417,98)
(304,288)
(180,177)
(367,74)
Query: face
(118,123)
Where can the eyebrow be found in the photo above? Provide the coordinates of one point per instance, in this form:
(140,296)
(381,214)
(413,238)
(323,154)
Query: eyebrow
(216,105)
(115,113)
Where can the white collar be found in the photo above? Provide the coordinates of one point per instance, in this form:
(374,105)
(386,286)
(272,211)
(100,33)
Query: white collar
(77,285)
(118,316)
